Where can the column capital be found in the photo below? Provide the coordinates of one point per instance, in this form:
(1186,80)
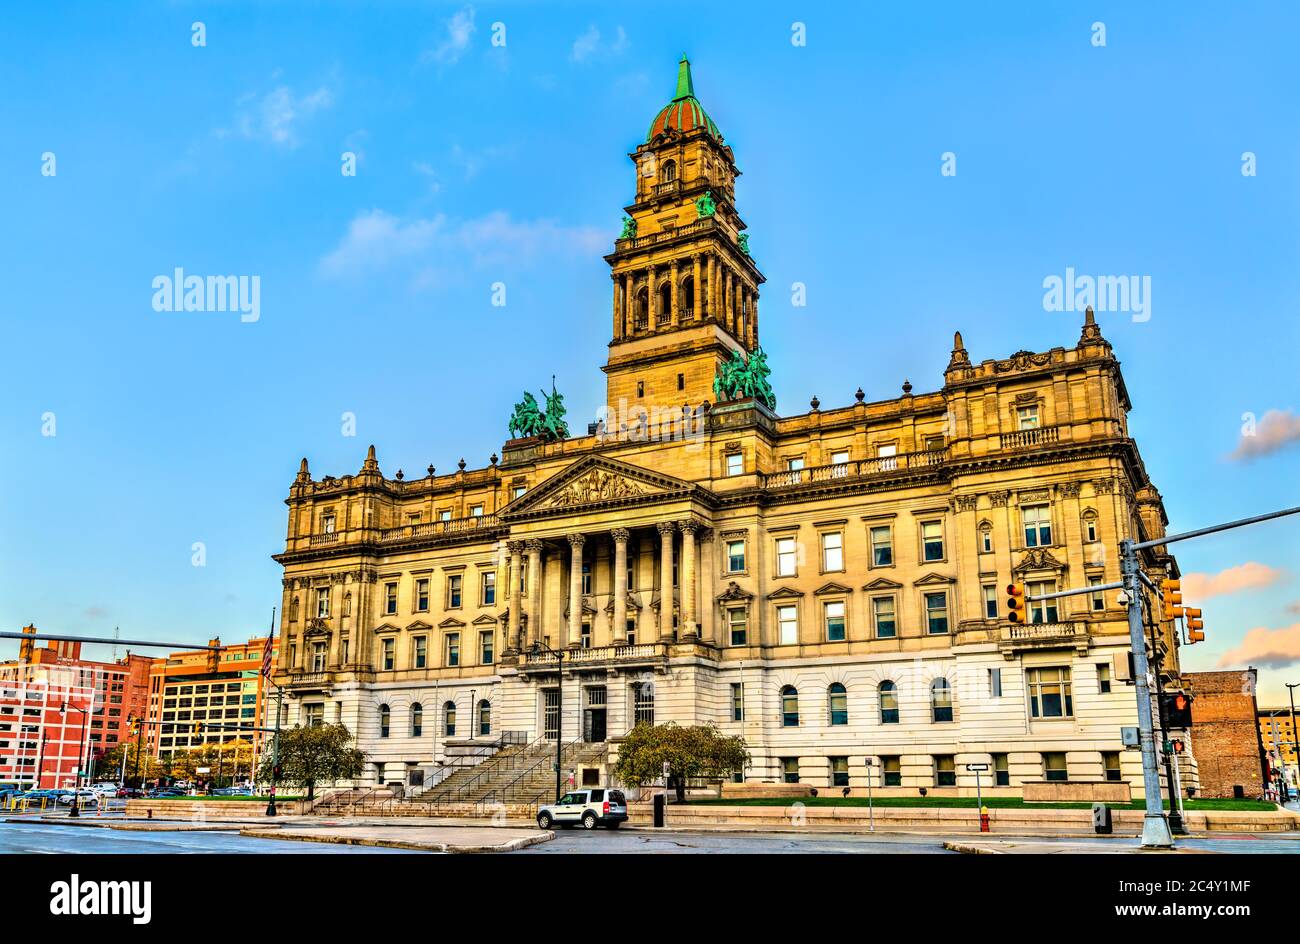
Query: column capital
(533,545)
(515,547)
(666,527)
(621,535)
(689,526)
(576,540)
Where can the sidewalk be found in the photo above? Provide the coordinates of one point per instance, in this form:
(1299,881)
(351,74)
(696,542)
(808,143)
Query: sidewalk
(1016,847)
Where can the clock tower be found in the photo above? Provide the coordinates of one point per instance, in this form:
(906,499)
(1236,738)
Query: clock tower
(685,285)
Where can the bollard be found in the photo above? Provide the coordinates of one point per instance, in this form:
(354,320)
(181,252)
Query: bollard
(149,813)
(984,819)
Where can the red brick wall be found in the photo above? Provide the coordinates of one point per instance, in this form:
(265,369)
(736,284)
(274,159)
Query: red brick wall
(1225,732)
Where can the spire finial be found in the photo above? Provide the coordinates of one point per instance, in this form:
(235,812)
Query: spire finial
(371,464)
(304,474)
(959,356)
(1091,332)
(685,86)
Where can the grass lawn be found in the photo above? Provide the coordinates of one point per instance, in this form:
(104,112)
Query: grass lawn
(993,803)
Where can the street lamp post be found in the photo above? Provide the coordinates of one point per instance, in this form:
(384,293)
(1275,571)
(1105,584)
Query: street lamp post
(1295,743)
(539,647)
(81,751)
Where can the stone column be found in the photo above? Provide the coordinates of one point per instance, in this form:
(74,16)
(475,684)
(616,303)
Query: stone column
(652,297)
(713,287)
(573,635)
(534,548)
(619,583)
(516,598)
(629,305)
(753,322)
(690,629)
(676,315)
(666,530)
(697,303)
(618,316)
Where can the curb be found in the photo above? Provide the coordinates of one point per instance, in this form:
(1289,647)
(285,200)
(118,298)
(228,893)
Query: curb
(445,847)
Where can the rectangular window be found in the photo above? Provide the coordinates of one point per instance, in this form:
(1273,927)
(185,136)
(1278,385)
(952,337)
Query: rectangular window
(487,588)
(882,612)
(936,613)
(832,551)
(789,770)
(1090,530)
(995,683)
(518,491)
(453,592)
(986,541)
(643,703)
(786,557)
(422,595)
(735,557)
(1038,525)
(327,524)
(787,621)
(1096,599)
(990,602)
(1103,678)
(840,457)
(1041,611)
(318,655)
(932,540)
(839,771)
(1110,765)
(735,463)
(389,649)
(444,515)
(550,713)
(453,650)
(314,715)
(1001,771)
(892,769)
(586,579)
(390,598)
(834,621)
(882,546)
(737,701)
(1054,769)
(476,511)
(419,652)
(485,653)
(1049,692)
(323,602)
(585,636)
(737,624)
(794,464)
(1027,417)
(945,771)
(887,457)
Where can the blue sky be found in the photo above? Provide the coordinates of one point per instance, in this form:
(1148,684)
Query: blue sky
(480,163)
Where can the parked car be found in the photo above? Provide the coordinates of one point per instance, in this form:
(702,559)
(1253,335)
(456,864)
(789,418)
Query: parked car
(108,788)
(591,807)
(164,793)
(83,797)
(129,793)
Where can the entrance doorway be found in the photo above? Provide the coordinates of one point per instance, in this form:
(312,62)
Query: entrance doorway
(593,715)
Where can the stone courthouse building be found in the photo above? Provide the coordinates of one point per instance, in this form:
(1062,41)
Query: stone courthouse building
(827,584)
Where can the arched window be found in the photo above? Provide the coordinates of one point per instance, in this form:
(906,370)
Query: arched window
(417,720)
(347,604)
(670,171)
(688,297)
(449,719)
(665,304)
(293,611)
(385,717)
(641,309)
(484,718)
(839,703)
(789,707)
(888,702)
(940,700)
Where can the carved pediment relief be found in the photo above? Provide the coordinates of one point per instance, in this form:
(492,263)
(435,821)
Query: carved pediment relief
(1038,559)
(316,627)
(596,486)
(596,480)
(734,593)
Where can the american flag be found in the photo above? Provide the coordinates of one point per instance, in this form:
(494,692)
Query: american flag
(266,655)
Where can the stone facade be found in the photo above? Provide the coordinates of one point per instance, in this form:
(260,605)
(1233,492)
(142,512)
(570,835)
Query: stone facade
(827,584)
(1226,731)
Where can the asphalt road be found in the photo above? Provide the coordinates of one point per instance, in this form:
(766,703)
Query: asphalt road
(45,838)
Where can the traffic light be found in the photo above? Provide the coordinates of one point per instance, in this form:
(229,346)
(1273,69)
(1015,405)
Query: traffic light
(1177,745)
(1016,602)
(1192,620)
(214,655)
(1178,709)
(135,724)
(1171,592)
(277,772)
(198,727)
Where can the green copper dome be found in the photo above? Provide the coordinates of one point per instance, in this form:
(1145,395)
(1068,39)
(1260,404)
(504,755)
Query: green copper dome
(684,112)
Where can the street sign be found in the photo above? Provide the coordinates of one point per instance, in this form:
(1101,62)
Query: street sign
(1129,737)
(977,766)
(202,770)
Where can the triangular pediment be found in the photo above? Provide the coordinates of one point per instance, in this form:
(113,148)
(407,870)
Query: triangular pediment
(734,592)
(484,620)
(451,623)
(832,587)
(785,593)
(418,624)
(596,481)
(931,579)
(387,628)
(883,583)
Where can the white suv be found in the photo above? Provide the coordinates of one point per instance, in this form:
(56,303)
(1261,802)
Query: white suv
(591,807)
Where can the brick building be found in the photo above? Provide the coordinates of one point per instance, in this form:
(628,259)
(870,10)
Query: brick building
(1225,731)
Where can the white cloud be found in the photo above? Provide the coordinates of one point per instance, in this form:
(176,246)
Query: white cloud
(1251,575)
(588,44)
(460,29)
(1269,648)
(376,239)
(276,116)
(1276,430)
